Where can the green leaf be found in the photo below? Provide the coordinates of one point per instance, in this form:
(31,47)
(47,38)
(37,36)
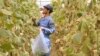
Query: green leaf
(5,33)
(94,1)
(6,12)
(77,38)
(2,54)
(18,14)
(69,51)
(80,26)
(9,26)
(1,3)
(80,54)
(79,14)
(83,26)
(25,53)
(85,49)
(18,41)
(7,46)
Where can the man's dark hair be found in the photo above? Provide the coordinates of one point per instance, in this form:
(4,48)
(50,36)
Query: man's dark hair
(49,7)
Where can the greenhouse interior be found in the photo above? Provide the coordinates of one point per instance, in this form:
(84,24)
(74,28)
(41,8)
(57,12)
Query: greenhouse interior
(49,27)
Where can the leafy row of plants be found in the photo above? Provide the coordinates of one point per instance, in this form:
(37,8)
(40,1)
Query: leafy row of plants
(16,27)
(78,29)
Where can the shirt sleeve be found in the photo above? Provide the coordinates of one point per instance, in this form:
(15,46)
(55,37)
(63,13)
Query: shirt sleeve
(50,29)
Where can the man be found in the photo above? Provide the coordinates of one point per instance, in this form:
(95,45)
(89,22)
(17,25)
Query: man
(46,24)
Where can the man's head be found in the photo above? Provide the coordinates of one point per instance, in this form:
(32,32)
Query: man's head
(47,9)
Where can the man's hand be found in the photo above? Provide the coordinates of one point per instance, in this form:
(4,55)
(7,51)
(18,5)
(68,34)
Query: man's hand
(35,23)
(41,28)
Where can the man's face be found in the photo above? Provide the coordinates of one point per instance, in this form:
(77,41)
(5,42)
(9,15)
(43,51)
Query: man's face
(44,10)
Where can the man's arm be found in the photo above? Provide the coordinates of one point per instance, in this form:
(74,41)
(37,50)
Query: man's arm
(35,22)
